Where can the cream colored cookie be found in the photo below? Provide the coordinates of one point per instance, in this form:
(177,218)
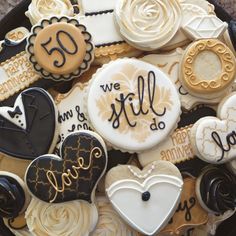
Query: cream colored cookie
(140,196)
(207,69)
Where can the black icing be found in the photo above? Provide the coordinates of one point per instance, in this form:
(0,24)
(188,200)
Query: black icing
(36,140)
(232,32)
(12,197)
(228,227)
(146,196)
(218,189)
(79,144)
(192,116)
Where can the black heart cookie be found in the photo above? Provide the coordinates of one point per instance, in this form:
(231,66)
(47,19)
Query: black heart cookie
(28,130)
(74,176)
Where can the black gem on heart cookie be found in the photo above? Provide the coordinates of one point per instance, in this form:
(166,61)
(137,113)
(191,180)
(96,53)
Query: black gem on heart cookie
(28,129)
(75,175)
(146,196)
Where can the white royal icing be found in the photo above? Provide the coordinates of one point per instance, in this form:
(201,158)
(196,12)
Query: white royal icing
(165,191)
(18,119)
(91,6)
(102,28)
(40,9)
(200,27)
(214,139)
(71,114)
(170,64)
(98,17)
(132,104)
(74,218)
(148,25)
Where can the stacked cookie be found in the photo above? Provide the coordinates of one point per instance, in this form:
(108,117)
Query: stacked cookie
(117,118)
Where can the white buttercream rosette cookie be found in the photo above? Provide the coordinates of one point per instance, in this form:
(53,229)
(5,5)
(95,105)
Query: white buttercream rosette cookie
(148,25)
(74,218)
(109,222)
(39,9)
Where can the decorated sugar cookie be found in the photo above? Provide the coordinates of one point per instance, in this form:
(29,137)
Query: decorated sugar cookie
(207,69)
(98,17)
(74,218)
(205,27)
(148,25)
(214,139)
(29,128)
(176,148)
(189,212)
(14,196)
(216,190)
(109,221)
(40,9)
(74,175)
(132,104)
(60,48)
(170,64)
(145,199)
(71,115)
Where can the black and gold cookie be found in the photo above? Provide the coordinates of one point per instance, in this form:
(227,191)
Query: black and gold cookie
(75,175)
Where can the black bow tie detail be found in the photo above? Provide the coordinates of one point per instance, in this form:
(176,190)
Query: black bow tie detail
(16,112)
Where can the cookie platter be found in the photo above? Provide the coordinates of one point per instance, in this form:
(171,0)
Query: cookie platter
(117,118)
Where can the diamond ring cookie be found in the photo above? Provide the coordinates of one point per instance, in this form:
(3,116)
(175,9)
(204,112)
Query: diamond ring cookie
(208,68)
(60,48)
(132,104)
(145,199)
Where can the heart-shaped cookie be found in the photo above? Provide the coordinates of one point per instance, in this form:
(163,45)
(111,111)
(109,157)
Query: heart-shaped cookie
(145,199)
(214,139)
(28,130)
(75,175)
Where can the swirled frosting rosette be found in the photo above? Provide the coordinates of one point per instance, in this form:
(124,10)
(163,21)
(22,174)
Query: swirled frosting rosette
(148,25)
(216,190)
(109,222)
(74,218)
(39,9)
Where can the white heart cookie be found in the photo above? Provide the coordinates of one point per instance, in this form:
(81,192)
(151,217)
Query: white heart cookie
(145,199)
(214,139)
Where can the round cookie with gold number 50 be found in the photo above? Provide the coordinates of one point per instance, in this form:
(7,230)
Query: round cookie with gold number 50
(132,104)
(60,48)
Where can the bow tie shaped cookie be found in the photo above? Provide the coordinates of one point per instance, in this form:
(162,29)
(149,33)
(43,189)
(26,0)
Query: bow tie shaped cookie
(214,139)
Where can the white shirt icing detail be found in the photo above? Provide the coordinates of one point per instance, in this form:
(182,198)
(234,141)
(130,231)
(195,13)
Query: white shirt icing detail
(18,120)
(149,216)
(91,6)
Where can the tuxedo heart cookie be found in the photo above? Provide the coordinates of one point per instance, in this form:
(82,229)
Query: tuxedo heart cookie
(75,175)
(28,129)
(214,139)
(145,199)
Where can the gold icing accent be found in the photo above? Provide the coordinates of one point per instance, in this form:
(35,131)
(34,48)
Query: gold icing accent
(20,75)
(128,77)
(113,51)
(191,215)
(195,83)
(69,175)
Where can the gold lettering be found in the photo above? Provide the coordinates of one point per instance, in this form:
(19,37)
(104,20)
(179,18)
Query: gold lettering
(68,176)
